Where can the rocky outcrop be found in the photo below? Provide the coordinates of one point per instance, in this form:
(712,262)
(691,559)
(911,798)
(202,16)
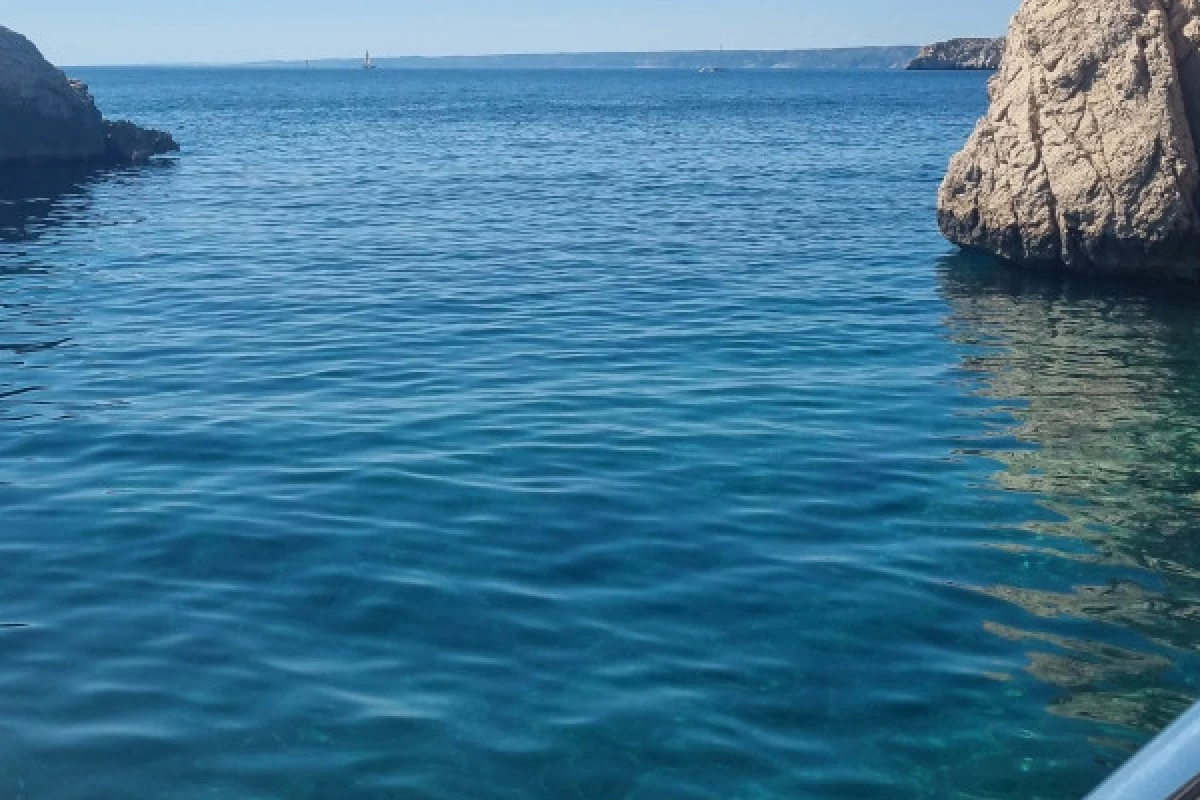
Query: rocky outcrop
(960,54)
(1087,157)
(44,117)
(126,143)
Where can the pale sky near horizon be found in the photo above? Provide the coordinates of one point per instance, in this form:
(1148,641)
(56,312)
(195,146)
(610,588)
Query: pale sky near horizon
(84,32)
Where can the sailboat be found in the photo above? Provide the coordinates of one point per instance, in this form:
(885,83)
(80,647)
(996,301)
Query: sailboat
(367,62)
(713,67)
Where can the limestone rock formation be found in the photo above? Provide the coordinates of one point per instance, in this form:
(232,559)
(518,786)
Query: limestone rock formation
(960,54)
(1087,156)
(44,117)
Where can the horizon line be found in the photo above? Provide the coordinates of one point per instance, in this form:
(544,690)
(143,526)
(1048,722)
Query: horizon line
(541,54)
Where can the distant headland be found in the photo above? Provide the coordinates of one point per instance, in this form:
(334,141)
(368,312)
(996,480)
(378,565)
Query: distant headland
(961,54)
(875,58)
(954,54)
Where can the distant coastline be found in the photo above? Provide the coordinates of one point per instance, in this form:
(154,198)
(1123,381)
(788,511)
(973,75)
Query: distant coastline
(875,58)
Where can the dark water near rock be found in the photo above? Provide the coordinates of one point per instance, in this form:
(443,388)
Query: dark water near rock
(609,436)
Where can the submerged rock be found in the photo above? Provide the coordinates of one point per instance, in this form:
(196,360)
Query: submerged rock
(960,54)
(1087,156)
(45,117)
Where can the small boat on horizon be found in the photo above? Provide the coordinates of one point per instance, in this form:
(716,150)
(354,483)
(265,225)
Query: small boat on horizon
(367,62)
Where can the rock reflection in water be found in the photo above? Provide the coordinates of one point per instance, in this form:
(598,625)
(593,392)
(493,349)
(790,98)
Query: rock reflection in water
(32,198)
(37,296)
(35,200)
(1103,382)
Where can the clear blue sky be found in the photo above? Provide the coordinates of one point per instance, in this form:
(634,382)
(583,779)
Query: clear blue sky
(77,32)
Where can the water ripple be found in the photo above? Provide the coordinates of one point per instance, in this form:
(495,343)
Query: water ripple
(573,435)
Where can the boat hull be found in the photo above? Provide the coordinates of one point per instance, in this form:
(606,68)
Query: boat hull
(1168,769)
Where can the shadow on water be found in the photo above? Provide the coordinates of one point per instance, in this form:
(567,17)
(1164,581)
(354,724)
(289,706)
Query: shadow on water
(35,316)
(1102,382)
(36,198)
(30,197)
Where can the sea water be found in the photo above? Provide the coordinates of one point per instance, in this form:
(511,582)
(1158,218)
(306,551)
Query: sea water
(573,436)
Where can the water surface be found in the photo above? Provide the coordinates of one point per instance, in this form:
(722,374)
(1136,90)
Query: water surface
(573,435)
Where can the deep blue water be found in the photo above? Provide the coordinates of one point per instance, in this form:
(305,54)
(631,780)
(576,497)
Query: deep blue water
(573,436)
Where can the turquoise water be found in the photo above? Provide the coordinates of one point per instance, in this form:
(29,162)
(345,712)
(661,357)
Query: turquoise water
(574,436)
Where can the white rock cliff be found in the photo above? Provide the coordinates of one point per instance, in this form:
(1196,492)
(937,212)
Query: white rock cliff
(1087,157)
(960,54)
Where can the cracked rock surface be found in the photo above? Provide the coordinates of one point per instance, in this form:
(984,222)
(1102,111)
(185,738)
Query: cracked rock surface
(1087,157)
(44,117)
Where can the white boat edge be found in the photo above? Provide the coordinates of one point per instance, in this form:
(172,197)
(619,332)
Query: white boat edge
(1167,769)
